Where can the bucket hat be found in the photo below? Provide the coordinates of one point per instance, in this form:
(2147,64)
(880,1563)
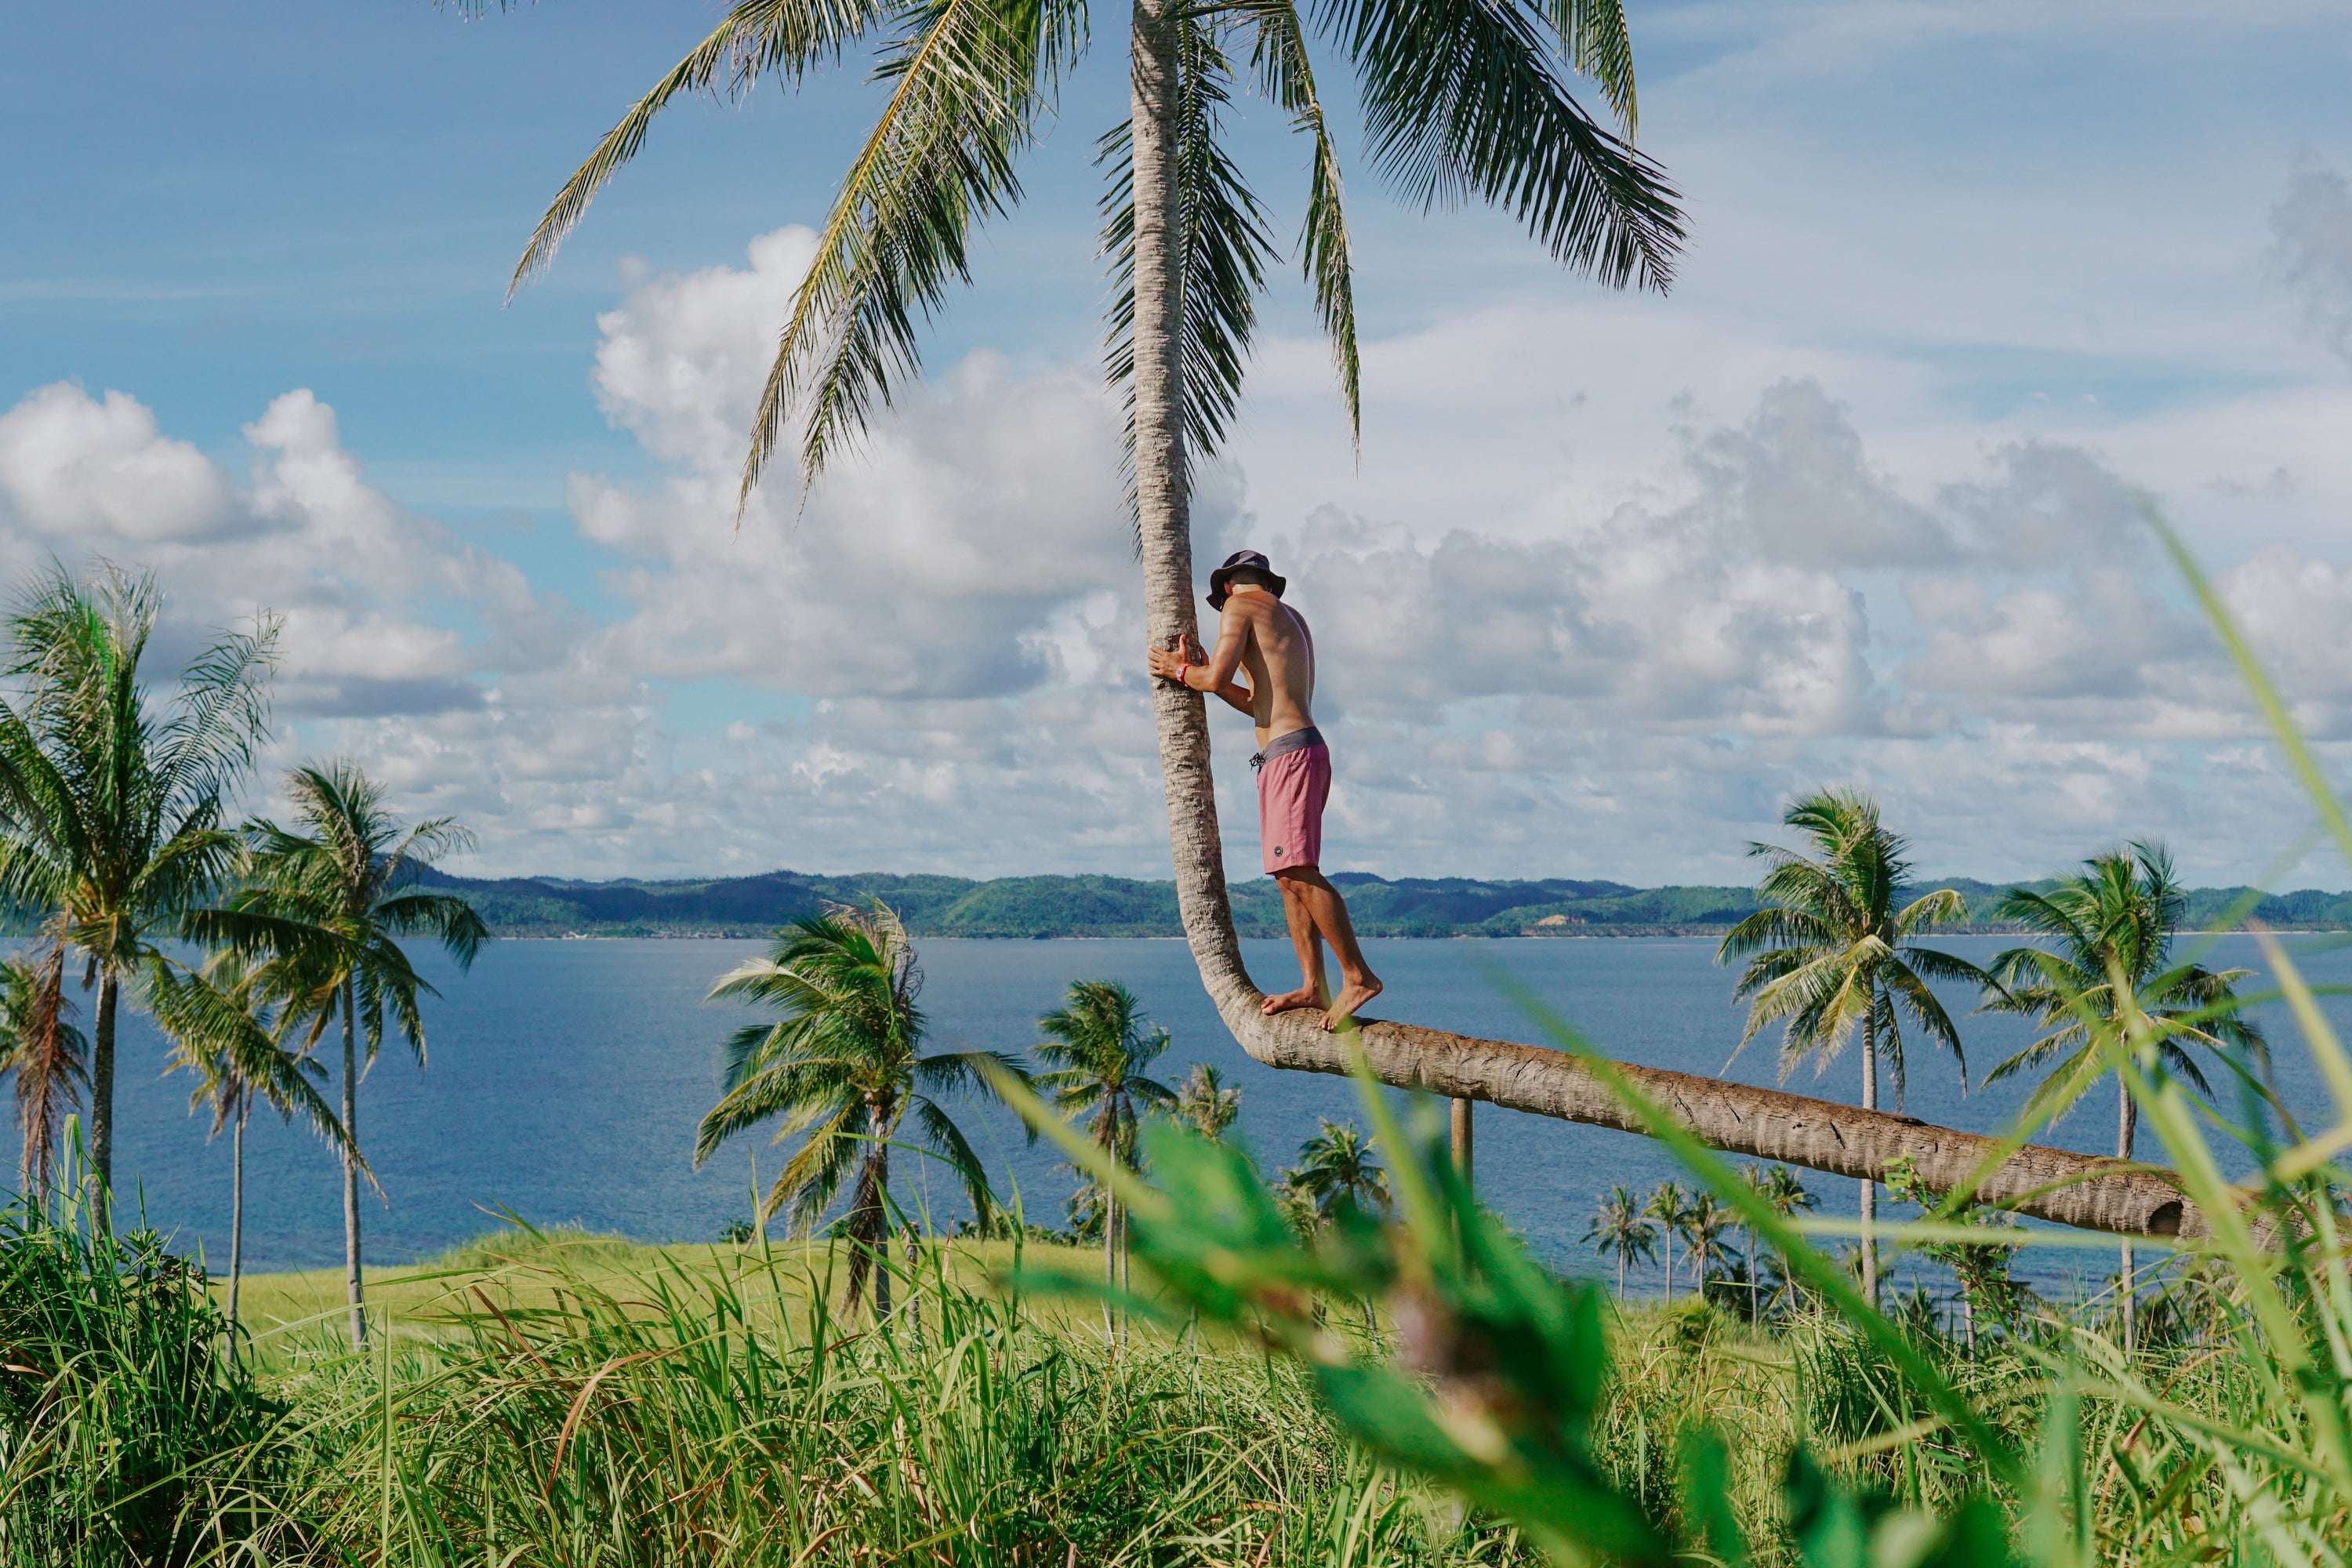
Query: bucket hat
(1242,560)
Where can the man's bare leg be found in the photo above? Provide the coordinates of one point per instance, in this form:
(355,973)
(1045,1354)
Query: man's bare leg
(1313,990)
(1328,911)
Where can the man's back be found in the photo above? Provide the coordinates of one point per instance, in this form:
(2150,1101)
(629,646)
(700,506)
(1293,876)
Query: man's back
(1278,651)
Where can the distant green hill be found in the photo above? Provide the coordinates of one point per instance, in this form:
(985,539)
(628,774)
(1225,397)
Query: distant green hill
(1117,906)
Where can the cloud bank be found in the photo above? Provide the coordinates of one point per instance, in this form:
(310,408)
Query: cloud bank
(933,660)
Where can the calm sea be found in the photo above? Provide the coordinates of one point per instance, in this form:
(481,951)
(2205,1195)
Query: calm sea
(565,1079)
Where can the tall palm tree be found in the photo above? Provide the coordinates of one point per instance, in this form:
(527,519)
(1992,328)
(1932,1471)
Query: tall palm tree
(111,801)
(1620,1230)
(1783,1191)
(1206,1104)
(1707,1223)
(1337,1169)
(328,902)
(1833,954)
(1100,1047)
(2110,931)
(845,1065)
(229,1024)
(45,1053)
(1460,99)
(1670,1207)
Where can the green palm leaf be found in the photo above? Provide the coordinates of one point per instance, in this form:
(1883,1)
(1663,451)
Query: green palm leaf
(971,80)
(786,36)
(1222,245)
(1461,101)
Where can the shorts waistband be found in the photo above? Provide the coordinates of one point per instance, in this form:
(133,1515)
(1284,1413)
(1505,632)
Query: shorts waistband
(1283,745)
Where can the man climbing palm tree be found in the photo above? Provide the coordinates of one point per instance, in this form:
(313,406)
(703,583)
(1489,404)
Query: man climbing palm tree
(1266,638)
(1460,102)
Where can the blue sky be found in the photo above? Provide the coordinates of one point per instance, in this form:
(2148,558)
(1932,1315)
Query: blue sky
(1614,576)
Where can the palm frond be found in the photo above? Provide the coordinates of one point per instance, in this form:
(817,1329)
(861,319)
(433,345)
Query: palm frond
(44,1052)
(218,718)
(941,1132)
(1287,76)
(1218,231)
(1593,34)
(972,77)
(787,37)
(1461,101)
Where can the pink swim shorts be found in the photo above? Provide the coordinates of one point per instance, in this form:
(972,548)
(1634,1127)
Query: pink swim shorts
(1294,780)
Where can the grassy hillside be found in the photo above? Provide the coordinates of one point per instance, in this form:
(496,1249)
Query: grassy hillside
(1091,906)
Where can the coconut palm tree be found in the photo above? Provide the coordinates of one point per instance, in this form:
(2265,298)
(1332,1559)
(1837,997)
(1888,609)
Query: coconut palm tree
(1100,1047)
(328,900)
(1784,1192)
(1337,1165)
(229,1024)
(111,801)
(1204,1103)
(1706,1225)
(45,1053)
(1833,954)
(1460,99)
(1619,1230)
(845,1065)
(1670,1207)
(1337,1169)
(2108,963)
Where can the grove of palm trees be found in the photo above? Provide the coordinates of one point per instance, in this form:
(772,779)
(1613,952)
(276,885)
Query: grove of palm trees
(1320,1326)
(1197,1350)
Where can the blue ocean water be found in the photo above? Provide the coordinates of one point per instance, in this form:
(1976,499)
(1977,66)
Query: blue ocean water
(565,1079)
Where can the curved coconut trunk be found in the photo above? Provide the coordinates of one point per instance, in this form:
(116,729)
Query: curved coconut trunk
(1762,1123)
(2089,1191)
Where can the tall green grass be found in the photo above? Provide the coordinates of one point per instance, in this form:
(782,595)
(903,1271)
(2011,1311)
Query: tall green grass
(127,1435)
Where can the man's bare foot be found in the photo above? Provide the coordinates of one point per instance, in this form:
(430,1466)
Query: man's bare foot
(1304,996)
(1352,995)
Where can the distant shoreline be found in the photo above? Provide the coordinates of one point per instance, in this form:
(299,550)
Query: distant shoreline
(1080,908)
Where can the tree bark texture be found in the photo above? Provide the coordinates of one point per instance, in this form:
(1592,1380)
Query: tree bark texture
(2088,1191)
(351,1284)
(236,1223)
(1869,1188)
(1761,1123)
(101,1081)
(2127,1126)
(875,1234)
(1163,512)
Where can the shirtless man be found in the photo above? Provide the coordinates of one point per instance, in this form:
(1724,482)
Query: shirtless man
(1262,637)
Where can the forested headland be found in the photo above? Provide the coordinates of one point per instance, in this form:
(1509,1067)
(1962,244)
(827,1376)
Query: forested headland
(1096,906)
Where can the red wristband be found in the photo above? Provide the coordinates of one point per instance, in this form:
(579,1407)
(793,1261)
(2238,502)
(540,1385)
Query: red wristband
(1183,672)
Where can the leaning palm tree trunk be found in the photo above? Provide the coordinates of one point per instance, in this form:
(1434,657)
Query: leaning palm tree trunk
(1817,1134)
(352,1283)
